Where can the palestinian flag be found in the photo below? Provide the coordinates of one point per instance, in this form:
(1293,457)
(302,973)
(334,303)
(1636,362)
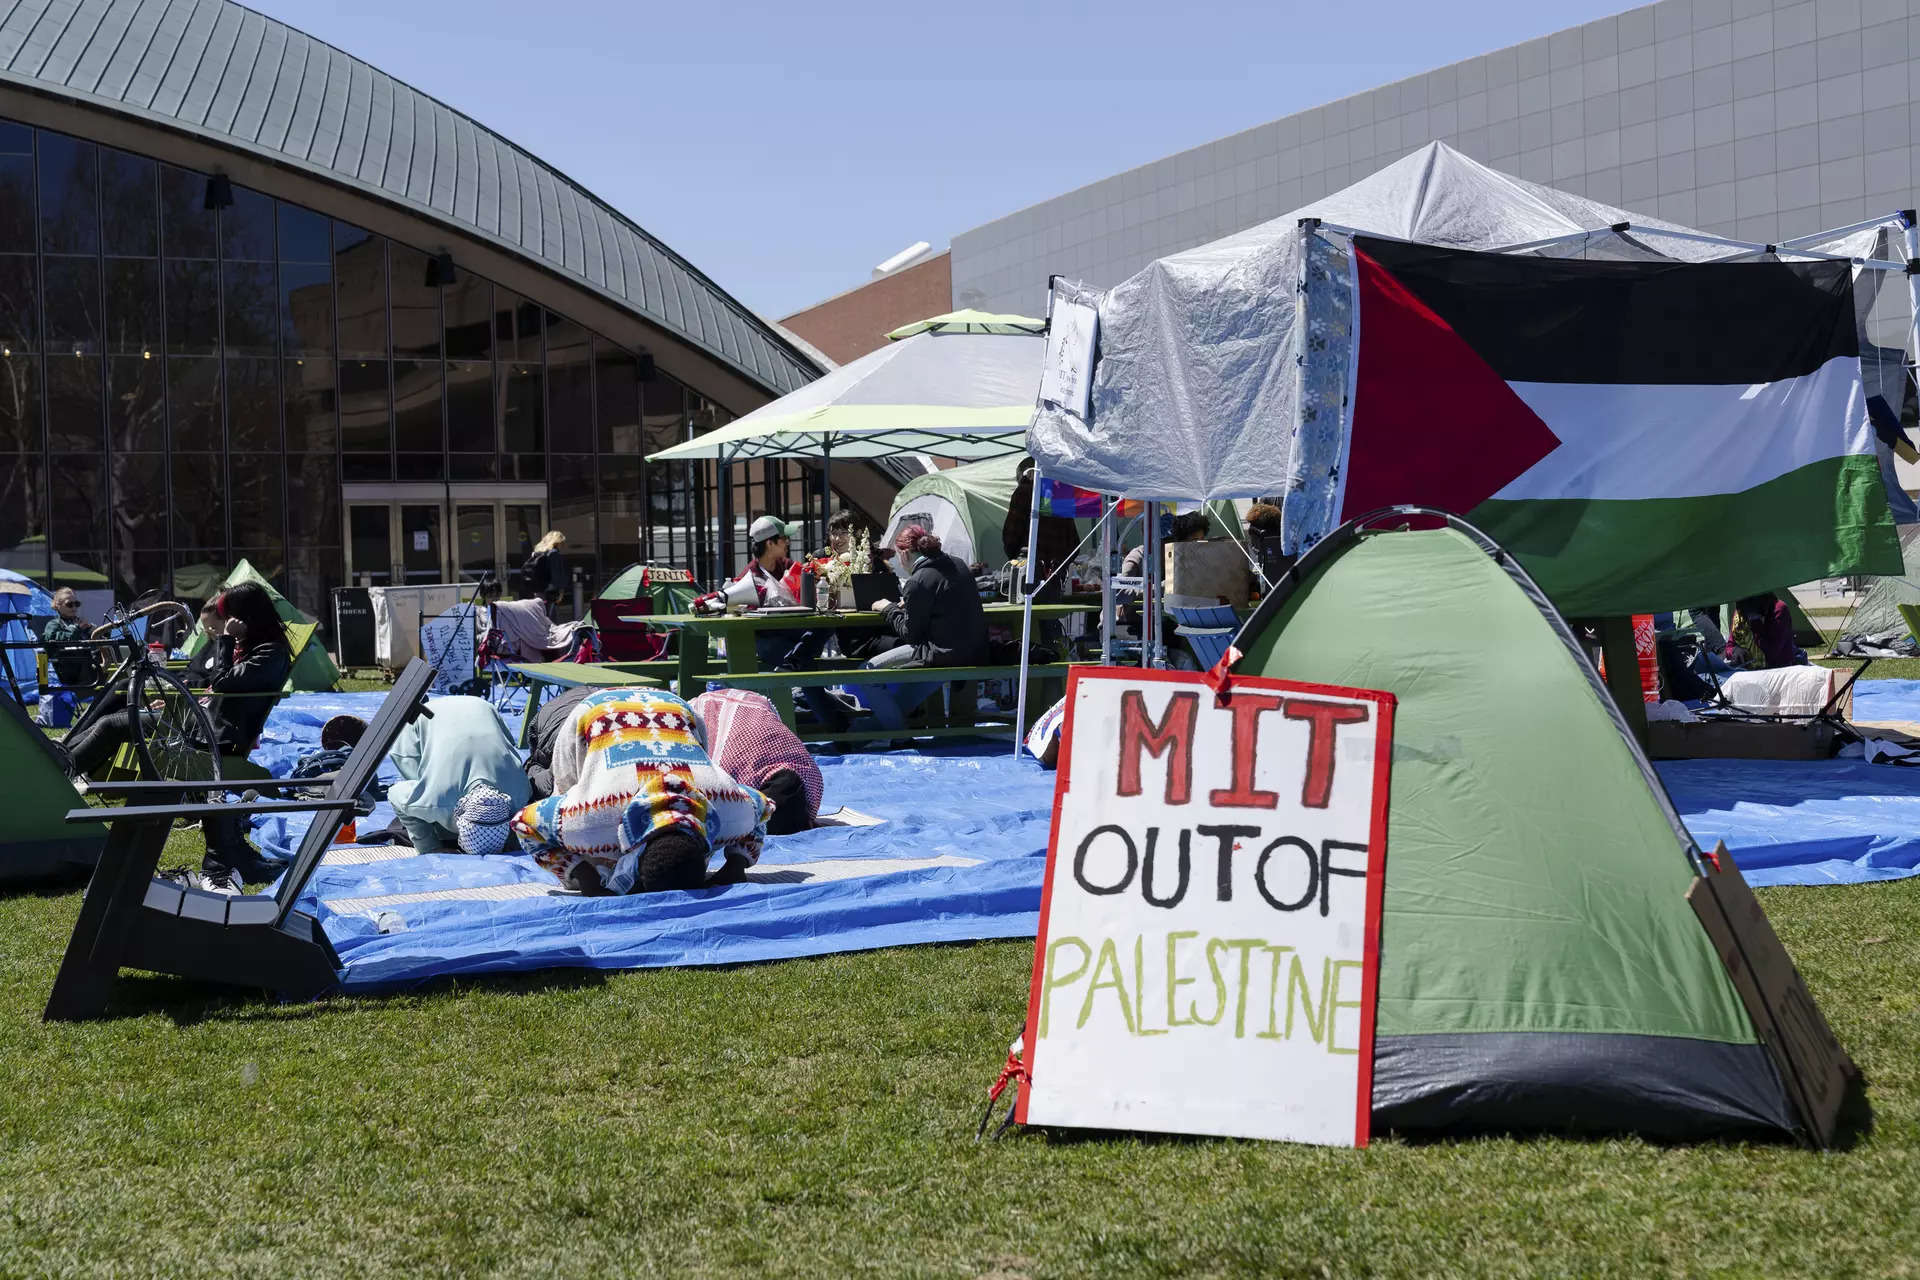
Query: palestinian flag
(1642,435)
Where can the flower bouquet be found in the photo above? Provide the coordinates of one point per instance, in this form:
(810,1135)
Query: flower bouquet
(836,573)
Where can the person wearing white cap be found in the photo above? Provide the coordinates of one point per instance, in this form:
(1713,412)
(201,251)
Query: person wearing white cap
(774,577)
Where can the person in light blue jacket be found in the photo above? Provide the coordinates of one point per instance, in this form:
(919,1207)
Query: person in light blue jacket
(461,778)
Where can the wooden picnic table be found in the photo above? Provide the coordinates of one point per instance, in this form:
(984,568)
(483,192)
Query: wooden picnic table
(736,631)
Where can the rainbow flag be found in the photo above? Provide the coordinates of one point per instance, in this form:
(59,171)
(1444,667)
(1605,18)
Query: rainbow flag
(1058,498)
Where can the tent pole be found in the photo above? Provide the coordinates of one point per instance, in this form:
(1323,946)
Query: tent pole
(826,491)
(1108,507)
(1910,234)
(1153,643)
(1026,614)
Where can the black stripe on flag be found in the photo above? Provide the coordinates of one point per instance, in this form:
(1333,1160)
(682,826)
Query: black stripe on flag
(1673,323)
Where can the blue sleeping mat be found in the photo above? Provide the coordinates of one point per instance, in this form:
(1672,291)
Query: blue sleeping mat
(958,854)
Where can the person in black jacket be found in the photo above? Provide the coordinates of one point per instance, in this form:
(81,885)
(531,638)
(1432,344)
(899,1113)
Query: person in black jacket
(545,572)
(548,721)
(938,621)
(252,657)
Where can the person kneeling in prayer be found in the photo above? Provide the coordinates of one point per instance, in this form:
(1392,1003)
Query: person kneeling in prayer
(747,738)
(639,806)
(460,778)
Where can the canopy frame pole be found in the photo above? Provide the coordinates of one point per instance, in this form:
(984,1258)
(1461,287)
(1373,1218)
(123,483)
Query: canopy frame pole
(826,490)
(1026,613)
(1153,647)
(1836,232)
(1910,236)
(1108,505)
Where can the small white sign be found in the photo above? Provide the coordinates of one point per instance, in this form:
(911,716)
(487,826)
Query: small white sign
(420,540)
(1067,377)
(1209,932)
(447,642)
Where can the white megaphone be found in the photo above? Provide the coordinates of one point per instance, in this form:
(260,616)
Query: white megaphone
(740,593)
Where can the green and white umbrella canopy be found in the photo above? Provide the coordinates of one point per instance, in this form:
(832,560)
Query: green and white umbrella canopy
(955,386)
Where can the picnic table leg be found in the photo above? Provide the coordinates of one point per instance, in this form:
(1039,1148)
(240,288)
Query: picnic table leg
(536,692)
(691,678)
(743,659)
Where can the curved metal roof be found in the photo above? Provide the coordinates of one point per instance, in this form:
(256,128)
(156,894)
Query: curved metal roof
(227,74)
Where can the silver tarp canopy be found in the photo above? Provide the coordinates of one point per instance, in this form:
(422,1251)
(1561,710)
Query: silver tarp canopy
(1193,391)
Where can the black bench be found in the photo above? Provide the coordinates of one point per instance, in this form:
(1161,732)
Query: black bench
(131,919)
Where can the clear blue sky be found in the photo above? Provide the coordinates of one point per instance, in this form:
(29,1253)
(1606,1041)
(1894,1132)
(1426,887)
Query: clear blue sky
(786,147)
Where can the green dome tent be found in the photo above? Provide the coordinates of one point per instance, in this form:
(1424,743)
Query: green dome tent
(963,506)
(313,668)
(1540,964)
(671,590)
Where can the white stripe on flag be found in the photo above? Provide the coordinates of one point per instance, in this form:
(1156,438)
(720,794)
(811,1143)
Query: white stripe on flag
(1630,440)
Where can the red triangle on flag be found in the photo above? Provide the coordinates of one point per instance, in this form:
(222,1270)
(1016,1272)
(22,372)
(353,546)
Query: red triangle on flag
(1432,423)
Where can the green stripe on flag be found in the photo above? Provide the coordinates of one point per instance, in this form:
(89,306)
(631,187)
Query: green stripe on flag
(1614,556)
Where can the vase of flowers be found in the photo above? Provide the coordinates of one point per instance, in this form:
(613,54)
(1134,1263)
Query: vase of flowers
(836,573)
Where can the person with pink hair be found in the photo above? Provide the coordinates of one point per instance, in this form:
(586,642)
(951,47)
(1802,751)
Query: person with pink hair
(938,622)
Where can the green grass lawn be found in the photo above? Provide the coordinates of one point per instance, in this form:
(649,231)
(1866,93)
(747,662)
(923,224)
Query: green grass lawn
(816,1118)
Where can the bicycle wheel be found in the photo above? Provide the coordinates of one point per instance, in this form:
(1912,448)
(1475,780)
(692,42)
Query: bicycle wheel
(171,732)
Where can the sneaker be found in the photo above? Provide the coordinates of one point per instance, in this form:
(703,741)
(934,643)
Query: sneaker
(222,880)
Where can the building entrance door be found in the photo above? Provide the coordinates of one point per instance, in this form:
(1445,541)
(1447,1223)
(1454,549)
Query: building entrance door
(393,542)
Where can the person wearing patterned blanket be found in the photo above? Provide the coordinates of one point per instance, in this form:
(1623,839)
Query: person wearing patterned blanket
(639,806)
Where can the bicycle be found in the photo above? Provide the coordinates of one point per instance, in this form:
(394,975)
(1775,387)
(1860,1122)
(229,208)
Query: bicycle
(171,733)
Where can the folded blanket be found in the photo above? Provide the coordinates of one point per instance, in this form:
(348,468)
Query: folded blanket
(1786,691)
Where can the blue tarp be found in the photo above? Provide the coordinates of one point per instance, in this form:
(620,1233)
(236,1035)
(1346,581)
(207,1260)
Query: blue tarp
(1826,822)
(1886,700)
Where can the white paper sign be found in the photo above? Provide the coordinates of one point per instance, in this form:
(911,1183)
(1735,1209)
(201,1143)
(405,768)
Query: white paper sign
(1207,957)
(447,642)
(420,540)
(1067,377)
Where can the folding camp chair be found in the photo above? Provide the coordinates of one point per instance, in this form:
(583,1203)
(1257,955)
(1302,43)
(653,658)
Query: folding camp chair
(132,919)
(1207,625)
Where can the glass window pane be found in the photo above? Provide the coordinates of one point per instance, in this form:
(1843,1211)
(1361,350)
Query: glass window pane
(523,409)
(19,304)
(470,408)
(360,288)
(257,499)
(23,516)
(313,573)
(663,413)
(469,316)
(621,511)
(370,534)
(516,327)
(616,394)
(313,500)
(133,306)
(131,225)
(74,410)
(473,527)
(136,407)
(193,308)
(15,138)
(570,495)
(199,502)
(79,503)
(246,227)
(473,466)
(187,226)
(303,235)
(16,204)
(419,466)
(416,407)
(569,386)
(19,406)
(366,421)
(420,542)
(141,566)
(73,304)
(253,407)
(416,305)
(306,308)
(366,466)
(69,195)
(525,526)
(309,418)
(252,308)
(193,401)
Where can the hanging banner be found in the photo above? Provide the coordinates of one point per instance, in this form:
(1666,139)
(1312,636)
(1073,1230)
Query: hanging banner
(1209,934)
(1066,379)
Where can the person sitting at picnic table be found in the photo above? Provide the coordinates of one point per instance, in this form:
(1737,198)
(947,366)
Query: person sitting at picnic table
(747,738)
(1188,526)
(1763,634)
(200,665)
(74,665)
(938,621)
(461,780)
(773,581)
(640,805)
(251,664)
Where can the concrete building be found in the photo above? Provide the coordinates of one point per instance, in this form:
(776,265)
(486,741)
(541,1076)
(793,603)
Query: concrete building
(259,299)
(1757,119)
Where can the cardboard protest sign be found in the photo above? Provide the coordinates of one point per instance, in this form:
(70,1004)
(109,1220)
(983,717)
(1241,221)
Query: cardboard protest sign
(1209,935)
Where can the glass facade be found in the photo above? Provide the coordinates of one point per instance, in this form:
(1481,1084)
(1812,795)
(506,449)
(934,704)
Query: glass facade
(183,385)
